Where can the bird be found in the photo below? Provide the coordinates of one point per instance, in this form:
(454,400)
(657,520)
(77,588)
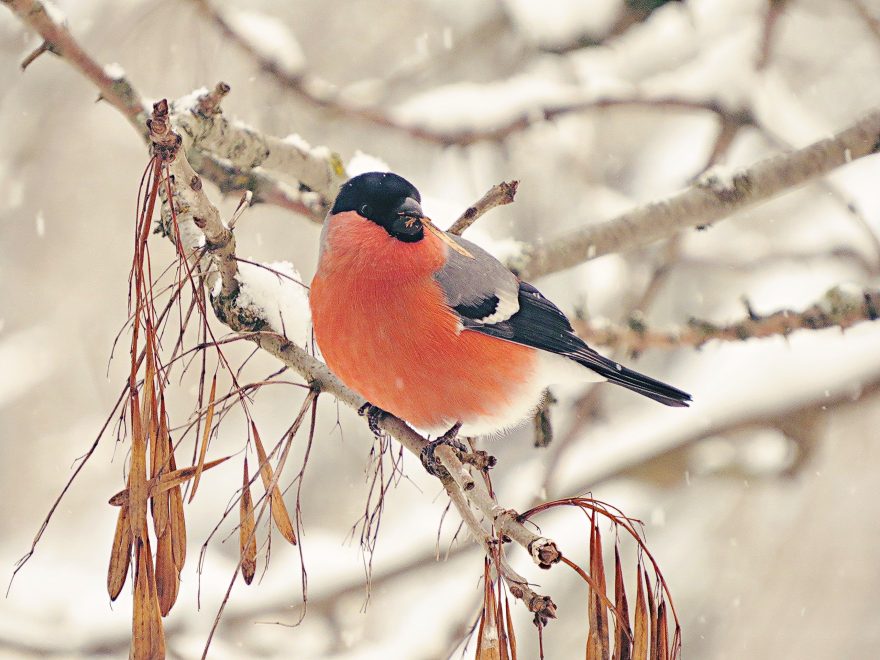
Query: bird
(433,329)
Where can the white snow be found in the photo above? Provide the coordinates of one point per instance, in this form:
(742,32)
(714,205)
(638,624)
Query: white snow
(298,142)
(55,14)
(559,22)
(482,106)
(189,100)
(114,71)
(269,36)
(362,162)
(282,302)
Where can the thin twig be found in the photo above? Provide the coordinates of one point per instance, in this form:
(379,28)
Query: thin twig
(498,195)
(57,39)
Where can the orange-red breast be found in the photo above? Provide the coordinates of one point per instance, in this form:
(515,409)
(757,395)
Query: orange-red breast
(437,335)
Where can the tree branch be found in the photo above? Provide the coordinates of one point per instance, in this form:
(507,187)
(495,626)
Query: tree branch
(839,308)
(709,199)
(203,126)
(57,39)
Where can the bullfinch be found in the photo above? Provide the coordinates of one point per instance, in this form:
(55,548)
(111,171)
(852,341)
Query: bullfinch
(430,327)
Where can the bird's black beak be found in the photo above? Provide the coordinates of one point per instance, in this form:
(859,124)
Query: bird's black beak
(408,219)
(410,208)
(414,222)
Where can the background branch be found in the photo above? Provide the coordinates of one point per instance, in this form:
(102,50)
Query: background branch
(57,39)
(840,307)
(708,200)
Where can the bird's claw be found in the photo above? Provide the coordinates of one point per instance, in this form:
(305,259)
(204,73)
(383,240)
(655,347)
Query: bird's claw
(429,461)
(374,415)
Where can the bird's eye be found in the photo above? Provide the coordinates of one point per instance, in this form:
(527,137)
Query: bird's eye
(366,210)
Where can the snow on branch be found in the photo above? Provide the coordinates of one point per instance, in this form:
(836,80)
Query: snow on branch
(708,200)
(201,121)
(711,198)
(840,307)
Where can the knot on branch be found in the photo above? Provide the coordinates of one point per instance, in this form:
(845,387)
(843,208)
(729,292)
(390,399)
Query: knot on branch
(239,318)
(544,552)
(208,104)
(543,607)
(481,460)
(728,187)
(164,141)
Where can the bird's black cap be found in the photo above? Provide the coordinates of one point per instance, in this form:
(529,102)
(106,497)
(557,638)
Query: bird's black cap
(387,199)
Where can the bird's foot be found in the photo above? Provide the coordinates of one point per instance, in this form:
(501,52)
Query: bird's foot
(430,462)
(374,415)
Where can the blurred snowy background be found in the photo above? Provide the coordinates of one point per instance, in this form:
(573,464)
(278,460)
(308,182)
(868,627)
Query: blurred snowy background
(761,501)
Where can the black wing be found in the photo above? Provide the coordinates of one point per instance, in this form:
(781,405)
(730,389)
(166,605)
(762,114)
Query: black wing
(540,324)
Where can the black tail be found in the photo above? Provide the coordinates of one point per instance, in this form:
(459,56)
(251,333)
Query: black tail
(633,380)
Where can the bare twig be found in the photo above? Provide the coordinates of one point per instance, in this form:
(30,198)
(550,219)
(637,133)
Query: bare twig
(542,550)
(543,606)
(498,195)
(771,21)
(839,307)
(704,202)
(57,38)
(835,191)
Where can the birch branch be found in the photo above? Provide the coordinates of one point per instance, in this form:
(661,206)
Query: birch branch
(542,606)
(840,307)
(203,126)
(266,188)
(708,200)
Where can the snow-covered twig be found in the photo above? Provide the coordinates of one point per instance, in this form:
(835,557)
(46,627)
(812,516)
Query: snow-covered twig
(704,202)
(840,307)
(697,205)
(204,127)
